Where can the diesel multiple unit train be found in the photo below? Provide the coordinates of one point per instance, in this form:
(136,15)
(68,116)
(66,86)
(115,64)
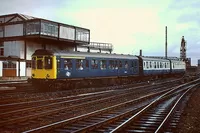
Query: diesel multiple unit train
(69,69)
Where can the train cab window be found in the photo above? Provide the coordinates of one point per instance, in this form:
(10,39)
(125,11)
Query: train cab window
(126,64)
(33,62)
(67,64)
(103,64)
(48,62)
(111,64)
(39,64)
(94,64)
(79,64)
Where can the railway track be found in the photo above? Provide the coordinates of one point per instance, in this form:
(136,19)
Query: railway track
(24,116)
(118,117)
(156,116)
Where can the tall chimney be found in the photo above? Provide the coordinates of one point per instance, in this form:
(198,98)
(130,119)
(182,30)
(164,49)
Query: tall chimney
(166,42)
(140,52)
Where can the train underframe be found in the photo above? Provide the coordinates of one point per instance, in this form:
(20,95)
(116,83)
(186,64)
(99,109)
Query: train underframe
(65,84)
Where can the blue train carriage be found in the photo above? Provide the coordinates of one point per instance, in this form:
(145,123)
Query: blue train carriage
(177,66)
(88,65)
(155,66)
(67,66)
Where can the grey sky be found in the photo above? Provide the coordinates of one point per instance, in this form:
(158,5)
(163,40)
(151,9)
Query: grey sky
(130,25)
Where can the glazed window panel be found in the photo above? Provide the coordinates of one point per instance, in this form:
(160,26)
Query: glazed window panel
(103,64)
(67,64)
(147,64)
(120,64)
(87,63)
(94,64)
(48,62)
(116,64)
(126,64)
(39,64)
(111,64)
(150,63)
(154,64)
(132,64)
(79,64)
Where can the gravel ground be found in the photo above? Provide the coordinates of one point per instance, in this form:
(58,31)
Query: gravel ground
(190,119)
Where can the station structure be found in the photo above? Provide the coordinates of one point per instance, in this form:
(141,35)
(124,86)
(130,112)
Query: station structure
(21,35)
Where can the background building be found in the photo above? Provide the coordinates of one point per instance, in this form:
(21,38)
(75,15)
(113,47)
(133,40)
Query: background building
(21,35)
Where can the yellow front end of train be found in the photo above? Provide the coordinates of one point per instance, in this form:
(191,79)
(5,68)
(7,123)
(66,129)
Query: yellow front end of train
(44,67)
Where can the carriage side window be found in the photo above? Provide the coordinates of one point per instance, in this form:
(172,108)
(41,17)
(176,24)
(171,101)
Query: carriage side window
(132,64)
(67,64)
(150,64)
(165,65)
(103,64)
(126,64)
(79,64)
(120,64)
(154,64)
(87,63)
(157,64)
(48,62)
(116,64)
(33,62)
(160,64)
(94,64)
(147,63)
(144,64)
(111,64)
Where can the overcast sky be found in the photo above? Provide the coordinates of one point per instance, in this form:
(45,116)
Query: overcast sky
(130,25)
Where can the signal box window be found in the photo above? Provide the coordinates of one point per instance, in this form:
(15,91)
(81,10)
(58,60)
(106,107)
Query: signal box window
(103,64)
(34,63)
(48,62)
(79,64)
(94,64)
(67,64)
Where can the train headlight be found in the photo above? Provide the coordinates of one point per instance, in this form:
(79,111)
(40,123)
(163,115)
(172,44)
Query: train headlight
(33,75)
(47,76)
